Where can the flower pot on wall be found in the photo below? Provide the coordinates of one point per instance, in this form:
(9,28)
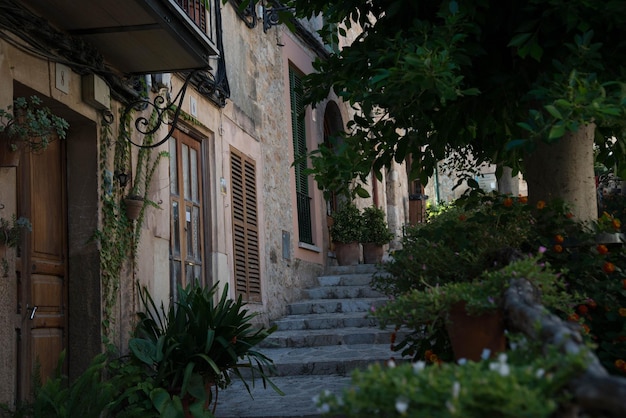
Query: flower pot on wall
(470,335)
(372,253)
(348,254)
(133,207)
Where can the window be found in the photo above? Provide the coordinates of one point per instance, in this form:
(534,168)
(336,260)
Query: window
(245,227)
(303,200)
(186,240)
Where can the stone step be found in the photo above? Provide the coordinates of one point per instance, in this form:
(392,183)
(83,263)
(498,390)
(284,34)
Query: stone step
(320,337)
(297,401)
(334,305)
(345,280)
(341,292)
(356,269)
(326,360)
(325,321)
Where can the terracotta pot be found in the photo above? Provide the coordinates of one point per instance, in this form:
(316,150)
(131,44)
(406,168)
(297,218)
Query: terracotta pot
(372,253)
(470,335)
(211,400)
(133,208)
(348,254)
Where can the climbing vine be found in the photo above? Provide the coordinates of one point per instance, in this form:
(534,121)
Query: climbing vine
(118,235)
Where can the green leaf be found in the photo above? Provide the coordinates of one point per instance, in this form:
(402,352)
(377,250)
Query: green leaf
(554,112)
(516,143)
(519,39)
(556,132)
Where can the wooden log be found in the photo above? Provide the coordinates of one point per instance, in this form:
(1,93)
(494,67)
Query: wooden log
(595,390)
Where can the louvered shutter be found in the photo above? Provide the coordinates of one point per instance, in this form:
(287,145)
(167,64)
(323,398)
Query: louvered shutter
(245,227)
(300,150)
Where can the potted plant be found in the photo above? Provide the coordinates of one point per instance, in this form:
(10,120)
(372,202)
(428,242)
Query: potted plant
(345,233)
(195,347)
(10,231)
(466,316)
(374,234)
(28,124)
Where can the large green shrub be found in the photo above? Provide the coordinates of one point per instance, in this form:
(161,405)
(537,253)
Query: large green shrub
(347,224)
(375,229)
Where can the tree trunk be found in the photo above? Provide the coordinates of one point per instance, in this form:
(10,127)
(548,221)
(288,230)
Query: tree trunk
(565,170)
(507,183)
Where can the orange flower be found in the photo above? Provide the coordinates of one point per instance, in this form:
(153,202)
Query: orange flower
(541,204)
(508,202)
(586,328)
(558,248)
(582,309)
(523,199)
(569,215)
(573,317)
(620,364)
(608,267)
(602,249)
(622,311)
(616,224)
(559,239)
(462,217)
(427,354)
(433,358)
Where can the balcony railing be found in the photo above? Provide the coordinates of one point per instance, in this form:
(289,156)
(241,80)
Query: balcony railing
(200,13)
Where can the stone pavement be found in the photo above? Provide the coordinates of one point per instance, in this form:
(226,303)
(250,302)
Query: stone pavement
(315,348)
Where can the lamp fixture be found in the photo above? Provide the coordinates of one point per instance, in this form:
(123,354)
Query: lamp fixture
(270,16)
(122,178)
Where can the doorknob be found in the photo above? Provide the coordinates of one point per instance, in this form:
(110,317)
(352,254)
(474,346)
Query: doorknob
(32,312)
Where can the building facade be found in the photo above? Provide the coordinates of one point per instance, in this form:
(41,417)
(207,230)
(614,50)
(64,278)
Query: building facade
(221,200)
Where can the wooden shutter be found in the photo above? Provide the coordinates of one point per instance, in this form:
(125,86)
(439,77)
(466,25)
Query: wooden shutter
(245,227)
(303,201)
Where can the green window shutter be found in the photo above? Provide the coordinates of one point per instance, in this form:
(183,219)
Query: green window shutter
(303,199)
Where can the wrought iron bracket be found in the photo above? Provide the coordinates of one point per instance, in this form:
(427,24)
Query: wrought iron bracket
(271,16)
(163,108)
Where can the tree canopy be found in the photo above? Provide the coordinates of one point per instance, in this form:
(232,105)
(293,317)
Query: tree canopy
(488,77)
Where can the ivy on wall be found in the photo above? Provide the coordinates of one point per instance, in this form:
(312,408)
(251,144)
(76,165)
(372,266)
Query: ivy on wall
(118,235)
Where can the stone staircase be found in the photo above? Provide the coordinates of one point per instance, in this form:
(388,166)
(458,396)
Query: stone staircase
(316,346)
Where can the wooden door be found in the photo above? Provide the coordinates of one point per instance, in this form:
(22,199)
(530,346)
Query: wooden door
(41,267)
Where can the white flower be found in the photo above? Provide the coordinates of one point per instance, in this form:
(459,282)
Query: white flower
(504,369)
(539,373)
(502,358)
(402,405)
(391,363)
(485,354)
(462,361)
(450,407)
(456,389)
(324,408)
(418,366)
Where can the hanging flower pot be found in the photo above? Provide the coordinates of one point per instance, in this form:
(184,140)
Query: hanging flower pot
(133,204)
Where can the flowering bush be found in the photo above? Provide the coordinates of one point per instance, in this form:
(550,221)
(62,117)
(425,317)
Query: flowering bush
(459,243)
(522,384)
(479,232)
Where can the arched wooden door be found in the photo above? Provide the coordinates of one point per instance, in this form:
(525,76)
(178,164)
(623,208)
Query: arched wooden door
(41,267)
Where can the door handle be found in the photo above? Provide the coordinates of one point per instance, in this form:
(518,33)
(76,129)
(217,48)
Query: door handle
(32,312)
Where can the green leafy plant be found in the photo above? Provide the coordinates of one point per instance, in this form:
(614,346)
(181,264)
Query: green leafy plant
(347,224)
(198,342)
(375,228)
(10,231)
(28,123)
(516,384)
(425,311)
